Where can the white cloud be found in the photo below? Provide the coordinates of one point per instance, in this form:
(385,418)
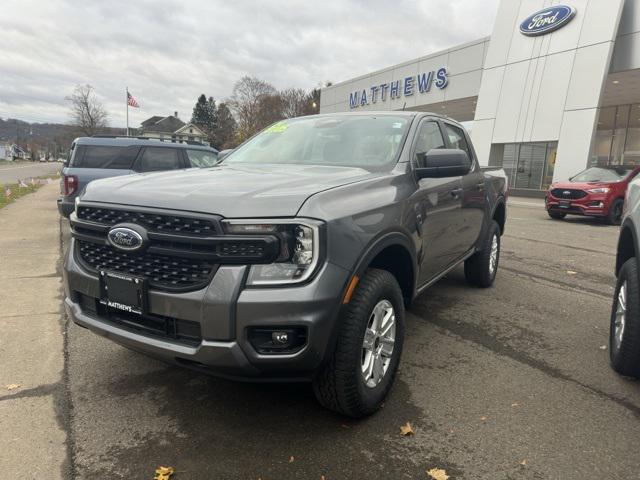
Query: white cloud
(168,52)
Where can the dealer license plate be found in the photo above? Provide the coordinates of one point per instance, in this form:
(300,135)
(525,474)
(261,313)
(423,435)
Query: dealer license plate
(564,204)
(123,292)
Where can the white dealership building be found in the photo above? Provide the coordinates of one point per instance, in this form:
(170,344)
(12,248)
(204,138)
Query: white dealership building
(555,89)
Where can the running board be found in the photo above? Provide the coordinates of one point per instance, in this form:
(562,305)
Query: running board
(421,289)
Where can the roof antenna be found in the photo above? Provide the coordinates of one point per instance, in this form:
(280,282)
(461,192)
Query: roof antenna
(405,104)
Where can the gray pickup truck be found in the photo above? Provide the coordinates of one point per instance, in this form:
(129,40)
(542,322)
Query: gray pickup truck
(295,257)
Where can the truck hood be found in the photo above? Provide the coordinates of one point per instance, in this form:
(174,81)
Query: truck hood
(238,191)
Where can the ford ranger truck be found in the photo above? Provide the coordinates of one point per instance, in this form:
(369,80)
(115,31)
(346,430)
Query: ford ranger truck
(294,258)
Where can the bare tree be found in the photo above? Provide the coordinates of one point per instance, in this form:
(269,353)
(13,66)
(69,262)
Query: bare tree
(296,102)
(86,111)
(249,99)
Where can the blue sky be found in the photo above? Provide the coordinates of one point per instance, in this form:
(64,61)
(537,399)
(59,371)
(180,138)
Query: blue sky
(168,52)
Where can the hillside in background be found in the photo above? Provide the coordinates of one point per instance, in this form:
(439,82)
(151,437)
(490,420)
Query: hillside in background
(42,137)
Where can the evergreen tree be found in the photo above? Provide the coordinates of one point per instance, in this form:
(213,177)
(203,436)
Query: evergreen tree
(205,115)
(225,132)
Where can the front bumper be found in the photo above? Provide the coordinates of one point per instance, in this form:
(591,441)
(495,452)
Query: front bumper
(594,205)
(224,310)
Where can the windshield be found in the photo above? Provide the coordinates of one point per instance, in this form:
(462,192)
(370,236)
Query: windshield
(367,142)
(599,174)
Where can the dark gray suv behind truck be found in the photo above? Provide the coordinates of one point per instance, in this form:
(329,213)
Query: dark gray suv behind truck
(295,257)
(102,156)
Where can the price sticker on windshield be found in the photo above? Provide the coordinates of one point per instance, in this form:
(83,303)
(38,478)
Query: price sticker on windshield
(278,127)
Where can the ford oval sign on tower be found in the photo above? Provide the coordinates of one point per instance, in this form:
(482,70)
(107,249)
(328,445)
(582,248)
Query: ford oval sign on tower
(547,20)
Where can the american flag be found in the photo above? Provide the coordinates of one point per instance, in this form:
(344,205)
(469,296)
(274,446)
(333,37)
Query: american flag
(132,101)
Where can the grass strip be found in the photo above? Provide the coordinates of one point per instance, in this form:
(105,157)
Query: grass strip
(17,190)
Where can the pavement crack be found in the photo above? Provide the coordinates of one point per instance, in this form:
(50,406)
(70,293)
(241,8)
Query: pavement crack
(48,275)
(39,391)
(571,247)
(65,408)
(478,336)
(568,287)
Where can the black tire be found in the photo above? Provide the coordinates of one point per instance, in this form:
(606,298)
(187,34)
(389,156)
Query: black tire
(477,268)
(615,212)
(556,215)
(625,355)
(340,384)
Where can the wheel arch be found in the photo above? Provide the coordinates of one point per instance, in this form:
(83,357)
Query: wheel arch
(393,252)
(499,214)
(627,242)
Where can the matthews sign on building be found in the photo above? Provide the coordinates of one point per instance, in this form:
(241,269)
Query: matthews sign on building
(546,92)
(406,87)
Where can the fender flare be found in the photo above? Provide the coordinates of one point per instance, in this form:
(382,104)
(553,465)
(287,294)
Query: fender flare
(627,225)
(378,244)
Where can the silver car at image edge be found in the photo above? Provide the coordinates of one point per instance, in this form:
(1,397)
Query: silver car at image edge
(624,332)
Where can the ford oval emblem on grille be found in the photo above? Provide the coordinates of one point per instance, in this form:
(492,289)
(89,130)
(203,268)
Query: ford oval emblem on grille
(566,193)
(125,238)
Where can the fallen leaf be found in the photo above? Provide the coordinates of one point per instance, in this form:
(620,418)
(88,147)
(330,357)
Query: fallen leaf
(484,419)
(437,474)
(406,430)
(163,473)
(571,272)
(515,404)
(603,347)
(523,462)
(13,386)
(291,459)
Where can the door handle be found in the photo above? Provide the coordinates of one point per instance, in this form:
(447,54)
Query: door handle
(455,193)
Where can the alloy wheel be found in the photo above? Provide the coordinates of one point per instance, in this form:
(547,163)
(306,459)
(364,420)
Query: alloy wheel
(621,315)
(493,257)
(378,343)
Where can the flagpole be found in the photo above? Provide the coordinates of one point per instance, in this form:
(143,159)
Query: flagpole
(127,100)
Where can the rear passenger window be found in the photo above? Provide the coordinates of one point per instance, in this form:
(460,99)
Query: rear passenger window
(93,156)
(156,158)
(458,139)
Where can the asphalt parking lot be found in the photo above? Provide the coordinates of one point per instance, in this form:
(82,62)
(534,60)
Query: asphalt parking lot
(507,383)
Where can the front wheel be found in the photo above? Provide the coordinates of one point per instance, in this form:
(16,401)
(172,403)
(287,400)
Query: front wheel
(615,212)
(556,215)
(361,371)
(480,269)
(624,332)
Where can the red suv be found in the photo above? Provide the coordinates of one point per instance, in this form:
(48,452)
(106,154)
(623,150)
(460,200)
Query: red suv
(596,192)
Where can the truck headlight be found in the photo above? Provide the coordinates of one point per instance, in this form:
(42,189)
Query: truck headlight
(299,249)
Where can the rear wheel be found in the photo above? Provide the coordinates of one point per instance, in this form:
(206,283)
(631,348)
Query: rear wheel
(361,371)
(556,215)
(624,332)
(481,268)
(615,212)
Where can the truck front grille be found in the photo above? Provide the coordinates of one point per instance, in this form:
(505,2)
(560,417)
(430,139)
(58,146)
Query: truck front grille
(162,271)
(568,193)
(153,222)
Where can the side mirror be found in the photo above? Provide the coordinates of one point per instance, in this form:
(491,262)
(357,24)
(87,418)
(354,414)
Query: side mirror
(224,153)
(440,163)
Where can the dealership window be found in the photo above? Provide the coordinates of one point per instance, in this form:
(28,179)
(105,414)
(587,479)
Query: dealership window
(617,137)
(529,166)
